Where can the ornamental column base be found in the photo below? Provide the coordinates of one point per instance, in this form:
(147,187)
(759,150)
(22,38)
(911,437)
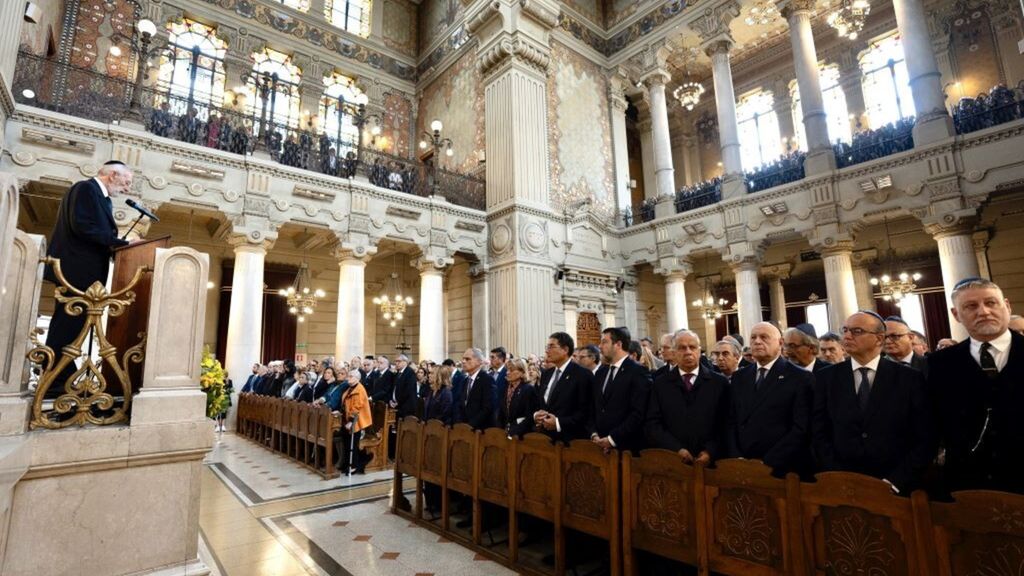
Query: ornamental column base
(933,128)
(733,186)
(819,162)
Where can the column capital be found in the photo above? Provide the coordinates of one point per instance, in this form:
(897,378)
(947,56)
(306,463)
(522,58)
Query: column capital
(980,239)
(477,272)
(253,240)
(431,264)
(832,246)
(714,23)
(777,271)
(862,258)
(655,77)
(959,223)
(790,8)
(674,267)
(721,44)
(346,252)
(745,262)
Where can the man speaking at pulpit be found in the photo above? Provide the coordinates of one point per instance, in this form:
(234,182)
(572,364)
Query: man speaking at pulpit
(83,239)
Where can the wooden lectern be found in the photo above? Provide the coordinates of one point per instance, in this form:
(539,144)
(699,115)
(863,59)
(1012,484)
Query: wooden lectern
(123,331)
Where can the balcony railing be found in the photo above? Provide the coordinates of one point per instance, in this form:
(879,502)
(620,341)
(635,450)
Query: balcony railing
(699,195)
(786,169)
(874,144)
(84,93)
(1000,105)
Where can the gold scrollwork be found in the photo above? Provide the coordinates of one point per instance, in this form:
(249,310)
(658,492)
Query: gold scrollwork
(86,389)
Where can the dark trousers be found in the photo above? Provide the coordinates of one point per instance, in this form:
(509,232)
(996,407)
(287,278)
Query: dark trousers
(346,442)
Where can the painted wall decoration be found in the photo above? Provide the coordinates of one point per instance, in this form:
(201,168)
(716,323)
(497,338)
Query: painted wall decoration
(592,10)
(579,132)
(446,99)
(436,16)
(455,40)
(644,26)
(101,31)
(400,26)
(397,119)
(975,53)
(618,10)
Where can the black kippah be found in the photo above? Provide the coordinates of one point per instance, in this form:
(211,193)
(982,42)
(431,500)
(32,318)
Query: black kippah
(114,163)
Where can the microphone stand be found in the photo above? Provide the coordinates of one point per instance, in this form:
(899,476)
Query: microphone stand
(137,220)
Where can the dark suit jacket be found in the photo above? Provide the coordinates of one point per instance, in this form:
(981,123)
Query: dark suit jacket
(384,385)
(524,404)
(306,394)
(458,381)
(819,365)
(964,396)
(570,401)
(694,420)
(370,381)
(500,387)
(892,439)
(405,393)
(476,409)
(620,409)
(83,235)
(439,406)
(917,362)
(250,383)
(320,388)
(772,424)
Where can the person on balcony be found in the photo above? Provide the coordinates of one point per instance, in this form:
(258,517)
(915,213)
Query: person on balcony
(306,146)
(82,239)
(213,127)
(290,152)
(329,163)
(240,137)
(225,136)
(190,126)
(351,163)
(378,174)
(162,121)
(395,177)
(409,179)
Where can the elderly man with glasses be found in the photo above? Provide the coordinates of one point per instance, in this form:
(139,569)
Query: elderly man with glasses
(899,345)
(871,415)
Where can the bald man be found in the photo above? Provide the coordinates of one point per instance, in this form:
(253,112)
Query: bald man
(871,415)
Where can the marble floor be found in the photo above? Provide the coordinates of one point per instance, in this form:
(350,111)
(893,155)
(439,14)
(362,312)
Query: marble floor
(264,515)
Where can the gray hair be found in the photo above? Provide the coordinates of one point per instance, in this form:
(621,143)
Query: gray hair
(805,338)
(970,283)
(830,337)
(670,337)
(685,332)
(477,353)
(402,358)
(113,169)
(731,342)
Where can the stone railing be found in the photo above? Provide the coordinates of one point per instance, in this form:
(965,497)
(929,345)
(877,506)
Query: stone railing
(50,85)
(699,195)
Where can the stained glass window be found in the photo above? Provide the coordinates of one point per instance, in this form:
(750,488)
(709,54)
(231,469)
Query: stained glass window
(275,71)
(340,100)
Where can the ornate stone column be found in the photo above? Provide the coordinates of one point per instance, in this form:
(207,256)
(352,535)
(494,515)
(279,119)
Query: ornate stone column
(676,314)
(617,108)
(350,330)
(862,278)
(748,293)
(480,301)
(933,121)
(245,316)
(957,259)
(571,312)
(849,79)
(432,324)
(513,58)
(654,79)
(820,157)
(981,238)
(647,158)
(839,283)
(776,292)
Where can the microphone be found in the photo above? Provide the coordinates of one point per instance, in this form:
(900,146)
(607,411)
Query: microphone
(142,209)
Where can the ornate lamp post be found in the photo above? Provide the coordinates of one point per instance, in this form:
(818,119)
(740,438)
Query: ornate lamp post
(266,87)
(147,29)
(359,119)
(435,140)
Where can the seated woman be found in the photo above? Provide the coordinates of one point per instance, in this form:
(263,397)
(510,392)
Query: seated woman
(332,396)
(515,410)
(301,381)
(357,418)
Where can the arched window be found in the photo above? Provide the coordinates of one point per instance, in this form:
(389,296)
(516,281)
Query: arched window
(340,100)
(349,15)
(274,70)
(192,71)
(836,113)
(760,141)
(885,82)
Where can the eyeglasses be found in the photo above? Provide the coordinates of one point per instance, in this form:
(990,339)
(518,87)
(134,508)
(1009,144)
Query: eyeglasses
(895,337)
(858,332)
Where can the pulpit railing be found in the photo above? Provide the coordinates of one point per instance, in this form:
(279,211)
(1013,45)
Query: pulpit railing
(77,383)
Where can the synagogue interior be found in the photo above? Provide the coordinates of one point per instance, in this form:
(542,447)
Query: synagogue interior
(548,287)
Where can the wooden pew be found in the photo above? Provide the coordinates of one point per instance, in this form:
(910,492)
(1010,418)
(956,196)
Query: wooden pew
(591,496)
(493,463)
(752,520)
(537,490)
(460,471)
(433,463)
(376,440)
(980,533)
(407,461)
(299,431)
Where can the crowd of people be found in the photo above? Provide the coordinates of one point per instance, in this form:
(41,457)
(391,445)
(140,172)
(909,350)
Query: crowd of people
(785,169)
(698,195)
(868,398)
(1001,104)
(870,145)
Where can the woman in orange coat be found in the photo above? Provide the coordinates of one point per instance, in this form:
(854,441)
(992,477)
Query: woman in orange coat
(357,418)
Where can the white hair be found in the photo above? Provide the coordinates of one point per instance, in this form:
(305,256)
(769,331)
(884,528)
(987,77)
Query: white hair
(113,169)
(685,332)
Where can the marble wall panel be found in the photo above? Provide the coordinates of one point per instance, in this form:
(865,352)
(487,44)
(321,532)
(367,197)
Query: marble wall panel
(456,98)
(400,26)
(397,124)
(579,132)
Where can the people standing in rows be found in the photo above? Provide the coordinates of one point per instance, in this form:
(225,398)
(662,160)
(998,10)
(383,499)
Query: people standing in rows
(801,347)
(770,406)
(564,392)
(519,402)
(404,393)
(381,385)
(496,370)
(589,357)
(621,390)
(899,345)
(920,343)
(162,121)
(213,127)
(357,417)
(190,126)
(831,348)
(438,402)
(667,346)
(474,405)
(726,357)
(871,415)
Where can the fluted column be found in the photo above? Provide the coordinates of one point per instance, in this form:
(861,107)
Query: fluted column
(569,309)
(351,319)
(245,316)
(839,283)
(777,297)
(481,315)
(748,294)
(862,285)
(725,102)
(933,121)
(664,171)
(958,261)
(820,157)
(675,301)
(432,325)
(620,152)
(647,158)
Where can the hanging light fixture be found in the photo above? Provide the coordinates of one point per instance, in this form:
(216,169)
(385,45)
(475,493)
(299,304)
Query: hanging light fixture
(300,296)
(762,13)
(848,17)
(711,307)
(391,300)
(688,94)
(894,287)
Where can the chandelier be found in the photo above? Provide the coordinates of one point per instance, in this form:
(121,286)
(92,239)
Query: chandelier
(711,308)
(763,12)
(301,297)
(848,18)
(688,94)
(895,288)
(391,301)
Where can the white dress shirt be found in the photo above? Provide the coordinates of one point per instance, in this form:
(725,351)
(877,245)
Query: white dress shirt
(560,371)
(1000,349)
(872,367)
(102,188)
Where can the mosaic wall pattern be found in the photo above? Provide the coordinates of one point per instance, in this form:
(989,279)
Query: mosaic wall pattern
(592,10)
(98,24)
(618,10)
(445,99)
(642,27)
(400,26)
(436,16)
(397,120)
(975,53)
(456,40)
(579,132)
(283,22)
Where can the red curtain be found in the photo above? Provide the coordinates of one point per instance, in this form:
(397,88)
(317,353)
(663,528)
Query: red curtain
(936,318)
(279,326)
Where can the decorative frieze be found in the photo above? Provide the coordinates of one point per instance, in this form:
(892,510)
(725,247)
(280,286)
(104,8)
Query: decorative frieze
(401,212)
(60,141)
(322,195)
(197,170)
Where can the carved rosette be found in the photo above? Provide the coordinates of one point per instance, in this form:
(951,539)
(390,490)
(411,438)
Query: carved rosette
(584,490)
(747,527)
(660,509)
(858,545)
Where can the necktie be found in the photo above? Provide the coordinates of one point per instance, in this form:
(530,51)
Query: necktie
(688,382)
(608,379)
(864,391)
(551,385)
(988,363)
(760,379)
(469,387)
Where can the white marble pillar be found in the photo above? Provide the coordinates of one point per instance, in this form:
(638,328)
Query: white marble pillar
(865,292)
(748,295)
(933,121)
(245,316)
(820,157)
(725,101)
(620,151)
(432,326)
(569,308)
(777,296)
(351,319)
(664,171)
(675,301)
(481,316)
(647,158)
(840,285)
(958,261)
